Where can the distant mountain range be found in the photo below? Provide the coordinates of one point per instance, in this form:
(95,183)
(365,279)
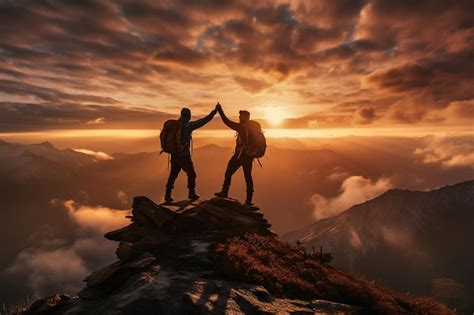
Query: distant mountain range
(414,241)
(22,162)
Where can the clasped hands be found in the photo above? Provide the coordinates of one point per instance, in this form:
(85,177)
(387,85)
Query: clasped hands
(218,108)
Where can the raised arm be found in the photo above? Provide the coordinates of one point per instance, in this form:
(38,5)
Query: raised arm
(201,122)
(229,123)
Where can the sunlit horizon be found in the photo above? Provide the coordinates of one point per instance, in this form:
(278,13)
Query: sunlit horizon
(225,133)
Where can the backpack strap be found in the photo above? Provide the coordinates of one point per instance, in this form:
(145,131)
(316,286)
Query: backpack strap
(244,145)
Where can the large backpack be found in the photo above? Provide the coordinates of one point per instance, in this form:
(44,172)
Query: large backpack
(256,143)
(171,137)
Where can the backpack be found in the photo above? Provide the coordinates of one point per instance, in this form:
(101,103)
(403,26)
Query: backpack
(171,137)
(256,143)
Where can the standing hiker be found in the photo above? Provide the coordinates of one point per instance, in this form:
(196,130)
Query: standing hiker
(176,137)
(250,144)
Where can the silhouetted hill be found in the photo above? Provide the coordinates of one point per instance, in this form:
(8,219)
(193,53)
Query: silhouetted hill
(409,240)
(219,257)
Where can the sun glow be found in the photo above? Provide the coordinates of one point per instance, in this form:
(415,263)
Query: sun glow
(274,115)
(102,134)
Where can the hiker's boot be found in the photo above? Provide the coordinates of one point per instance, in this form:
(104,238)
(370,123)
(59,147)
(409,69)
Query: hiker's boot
(248,200)
(192,195)
(168,198)
(224,193)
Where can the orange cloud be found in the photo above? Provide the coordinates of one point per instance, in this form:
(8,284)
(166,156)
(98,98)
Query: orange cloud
(336,63)
(97,154)
(355,189)
(447,151)
(98,218)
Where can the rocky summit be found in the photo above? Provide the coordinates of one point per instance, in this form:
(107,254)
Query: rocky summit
(165,266)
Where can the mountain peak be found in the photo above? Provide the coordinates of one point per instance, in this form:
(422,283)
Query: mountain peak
(47,144)
(215,256)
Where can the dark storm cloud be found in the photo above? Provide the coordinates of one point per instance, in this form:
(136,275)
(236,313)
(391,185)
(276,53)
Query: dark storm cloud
(432,43)
(445,77)
(415,25)
(417,54)
(155,19)
(427,84)
(180,54)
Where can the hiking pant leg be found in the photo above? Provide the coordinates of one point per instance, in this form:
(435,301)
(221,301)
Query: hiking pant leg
(232,167)
(188,168)
(247,166)
(174,172)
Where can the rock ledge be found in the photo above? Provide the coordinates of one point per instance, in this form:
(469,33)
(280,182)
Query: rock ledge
(164,267)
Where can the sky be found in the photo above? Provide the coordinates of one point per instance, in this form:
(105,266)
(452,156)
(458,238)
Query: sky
(69,65)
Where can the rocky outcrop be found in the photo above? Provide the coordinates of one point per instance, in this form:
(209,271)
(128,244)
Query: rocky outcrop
(164,267)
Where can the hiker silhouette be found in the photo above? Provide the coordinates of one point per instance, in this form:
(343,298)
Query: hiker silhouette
(250,144)
(176,138)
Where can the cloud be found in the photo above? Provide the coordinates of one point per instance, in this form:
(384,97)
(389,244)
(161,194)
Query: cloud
(354,190)
(123,198)
(97,121)
(32,116)
(354,239)
(460,160)
(97,154)
(49,94)
(448,152)
(364,115)
(397,237)
(50,264)
(460,111)
(48,270)
(252,85)
(159,55)
(99,219)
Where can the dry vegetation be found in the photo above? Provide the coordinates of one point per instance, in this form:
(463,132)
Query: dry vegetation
(18,308)
(289,271)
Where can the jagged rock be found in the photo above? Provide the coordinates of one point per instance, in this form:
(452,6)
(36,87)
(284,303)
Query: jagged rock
(111,277)
(125,251)
(119,235)
(165,266)
(146,211)
(158,224)
(45,305)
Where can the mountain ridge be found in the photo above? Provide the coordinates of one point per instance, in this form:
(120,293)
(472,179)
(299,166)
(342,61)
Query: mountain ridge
(391,193)
(424,231)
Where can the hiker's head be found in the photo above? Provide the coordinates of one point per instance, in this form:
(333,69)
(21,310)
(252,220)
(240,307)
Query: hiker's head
(244,116)
(185,114)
